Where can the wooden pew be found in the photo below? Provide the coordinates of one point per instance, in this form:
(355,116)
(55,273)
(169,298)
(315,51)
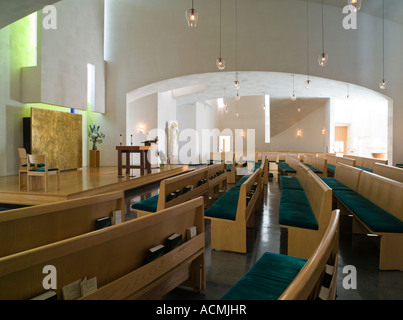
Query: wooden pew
(217,180)
(174,191)
(116,256)
(233,212)
(289,167)
(365,163)
(333,160)
(376,207)
(276,276)
(317,165)
(391,172)
(31,227)
(305,214)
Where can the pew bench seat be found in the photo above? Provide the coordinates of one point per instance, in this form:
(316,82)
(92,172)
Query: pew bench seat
(335,184)
(295,210)
(284,167)
(149,204)
(269,277)
(331,168)
(313,169)
(377,219)
(289,182)
(226,206)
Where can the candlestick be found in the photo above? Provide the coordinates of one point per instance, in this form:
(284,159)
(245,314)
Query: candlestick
(120,139)
(131,139)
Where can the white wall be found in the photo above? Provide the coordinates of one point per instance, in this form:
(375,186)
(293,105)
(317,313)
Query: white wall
(276,41)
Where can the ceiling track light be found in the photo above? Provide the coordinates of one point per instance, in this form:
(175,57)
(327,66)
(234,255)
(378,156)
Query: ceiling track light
(220,61)
(323,57)
(382,84)
(192,16)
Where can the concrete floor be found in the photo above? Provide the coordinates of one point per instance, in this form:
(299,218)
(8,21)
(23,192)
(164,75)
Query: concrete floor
(224,269)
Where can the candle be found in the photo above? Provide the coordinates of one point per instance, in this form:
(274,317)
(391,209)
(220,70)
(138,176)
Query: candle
(120,139)
(131,139)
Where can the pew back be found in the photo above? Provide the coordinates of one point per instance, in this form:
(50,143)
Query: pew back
(384,192)
(347,175)
(317,163)
(179,183)
(320,198)
(390,172)
(116,256)
(31,227)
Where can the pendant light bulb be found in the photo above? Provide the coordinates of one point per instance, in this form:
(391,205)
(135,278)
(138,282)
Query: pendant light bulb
(355,3)
(220,63)
(237,114)
(323,59)
(237,97)
(236,84)
(308,83)
(192,16)
(293,97)
(382,84)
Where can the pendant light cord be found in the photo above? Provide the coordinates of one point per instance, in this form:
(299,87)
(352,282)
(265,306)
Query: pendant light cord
(220,29)
(236,36)
(307,35)
(383,40)
(323,33)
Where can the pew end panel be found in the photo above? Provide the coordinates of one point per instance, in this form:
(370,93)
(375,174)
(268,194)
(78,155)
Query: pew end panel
(231,235)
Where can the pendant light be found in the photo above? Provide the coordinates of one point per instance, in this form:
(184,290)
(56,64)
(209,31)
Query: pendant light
(264,101)
(382,84)
(236,82)
(192,16)
(355,3)
(308,81)
(293,97)
(323,57)
(237,96)
(220,61)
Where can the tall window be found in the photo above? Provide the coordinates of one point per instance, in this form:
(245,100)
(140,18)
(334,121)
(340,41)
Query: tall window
(267,118)
(91,87)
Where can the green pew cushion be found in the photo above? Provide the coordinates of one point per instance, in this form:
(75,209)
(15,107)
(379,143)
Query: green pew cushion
(286,168)
(242,180)
(334,184)
(295,210)
(268,278)
(377,219)
(313,168)
(226,206)
(331,168)
(288,182)
(149,205)
(43,169)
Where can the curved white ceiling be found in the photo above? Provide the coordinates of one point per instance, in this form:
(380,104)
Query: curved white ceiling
(210,86)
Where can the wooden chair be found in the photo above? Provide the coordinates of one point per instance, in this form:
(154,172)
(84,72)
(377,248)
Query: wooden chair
(38,166)
(22,167)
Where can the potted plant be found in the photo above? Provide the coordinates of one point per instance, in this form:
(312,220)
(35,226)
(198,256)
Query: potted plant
(95,136)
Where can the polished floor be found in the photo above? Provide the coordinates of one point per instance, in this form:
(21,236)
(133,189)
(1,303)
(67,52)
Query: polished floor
(224,269)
